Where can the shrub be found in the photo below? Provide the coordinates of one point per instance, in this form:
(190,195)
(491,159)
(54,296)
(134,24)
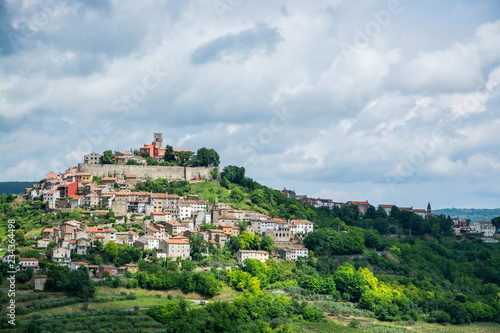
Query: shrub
(354,323)
(132,295)
(170,296)
(158,295)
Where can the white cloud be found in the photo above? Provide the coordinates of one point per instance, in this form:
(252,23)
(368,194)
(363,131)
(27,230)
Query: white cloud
(410,110)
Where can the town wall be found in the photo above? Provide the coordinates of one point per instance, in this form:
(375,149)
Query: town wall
(146,171)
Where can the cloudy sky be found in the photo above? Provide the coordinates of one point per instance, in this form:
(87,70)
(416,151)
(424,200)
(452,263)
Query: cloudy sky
(386,101)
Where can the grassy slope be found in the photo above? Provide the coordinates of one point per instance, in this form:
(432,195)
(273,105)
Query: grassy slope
(209,190)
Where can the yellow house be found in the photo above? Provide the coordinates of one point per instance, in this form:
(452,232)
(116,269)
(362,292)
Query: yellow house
(132,268)
(84,177)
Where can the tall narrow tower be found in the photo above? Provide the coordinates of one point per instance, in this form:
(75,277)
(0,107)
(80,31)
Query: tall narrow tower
(159,139)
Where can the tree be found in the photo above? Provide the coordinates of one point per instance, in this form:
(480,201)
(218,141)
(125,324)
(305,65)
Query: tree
(108,157)
(371,213)
(234,174)
(372,238)
(237,195)
(267,244)
(151,161)
(169,154)
(224,182)
(205,156)
(111,250)
(133,162)
(381,225)
(215,173)
(184,157)
(496,222)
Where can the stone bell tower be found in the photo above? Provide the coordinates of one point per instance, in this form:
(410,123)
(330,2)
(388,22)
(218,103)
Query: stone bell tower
(159,139)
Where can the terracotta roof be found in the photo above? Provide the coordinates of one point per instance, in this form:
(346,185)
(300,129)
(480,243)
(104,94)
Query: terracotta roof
(108,178)
(180,237)
(153,228)
(149,237)
(176,241)
(133,232)
(359,202)
(302,222)
(51,192)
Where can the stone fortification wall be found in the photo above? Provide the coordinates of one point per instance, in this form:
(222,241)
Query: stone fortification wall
(146,171)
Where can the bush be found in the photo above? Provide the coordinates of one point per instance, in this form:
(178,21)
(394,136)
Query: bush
(170,296)
(158,295)
(354,323)
(132,295)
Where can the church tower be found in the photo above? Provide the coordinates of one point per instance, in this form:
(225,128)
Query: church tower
(429,211)
(215,211)
(159,139)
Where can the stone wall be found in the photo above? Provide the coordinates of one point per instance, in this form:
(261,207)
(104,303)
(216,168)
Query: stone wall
(146,171)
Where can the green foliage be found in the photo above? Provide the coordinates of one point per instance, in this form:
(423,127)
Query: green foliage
(354,323)
(233,174)
(205,157)
(108,157)
(76,282)
(169,154)
(330,242)
(133,162)
(160,185)
(111,250)
(214,173)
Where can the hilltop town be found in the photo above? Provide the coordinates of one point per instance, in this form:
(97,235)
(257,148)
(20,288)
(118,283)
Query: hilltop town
(157,218)
(163,222)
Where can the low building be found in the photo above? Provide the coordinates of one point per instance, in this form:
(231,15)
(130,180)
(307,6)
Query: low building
(51,197)
(484,227)
(303,226)
(175,248)
(107,268)
(42,243)
(153,242)
(92,158)
(132,268)
(241,255)
(25,263)
(73,266)
(122,238)
(82,245)
(174,228)
(39,282)
(132,236)
(61,256)
(288,253)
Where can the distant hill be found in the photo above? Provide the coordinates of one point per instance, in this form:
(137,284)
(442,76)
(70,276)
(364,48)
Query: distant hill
(469,213)
(14,187)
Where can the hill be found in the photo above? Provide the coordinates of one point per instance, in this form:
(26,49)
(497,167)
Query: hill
(14,187)
(469,213)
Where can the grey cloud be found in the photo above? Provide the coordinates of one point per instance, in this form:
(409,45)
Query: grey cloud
(240,46)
